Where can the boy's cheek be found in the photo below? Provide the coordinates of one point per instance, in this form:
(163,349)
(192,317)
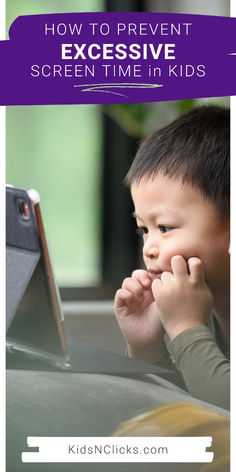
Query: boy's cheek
(180,251)
(185,246)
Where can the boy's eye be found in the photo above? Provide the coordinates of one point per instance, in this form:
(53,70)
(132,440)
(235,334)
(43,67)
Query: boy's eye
(141,230)
(164,229)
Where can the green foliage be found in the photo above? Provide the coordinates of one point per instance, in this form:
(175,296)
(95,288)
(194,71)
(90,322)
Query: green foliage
(140,119)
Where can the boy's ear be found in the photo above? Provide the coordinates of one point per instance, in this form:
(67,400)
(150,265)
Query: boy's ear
(229,249)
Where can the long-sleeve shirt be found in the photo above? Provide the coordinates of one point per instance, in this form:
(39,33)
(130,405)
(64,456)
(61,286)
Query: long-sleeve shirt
(202,357)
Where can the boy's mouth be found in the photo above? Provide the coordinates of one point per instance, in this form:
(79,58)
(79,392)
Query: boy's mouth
(154,274)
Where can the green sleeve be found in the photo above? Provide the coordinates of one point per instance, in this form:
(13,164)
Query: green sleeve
(205,369)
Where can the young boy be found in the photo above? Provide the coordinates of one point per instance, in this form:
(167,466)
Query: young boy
(179,305)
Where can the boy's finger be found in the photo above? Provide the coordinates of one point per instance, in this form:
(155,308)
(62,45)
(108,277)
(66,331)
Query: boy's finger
(196,269)
(123,297)
(143,277)
(156,285)
(133,286)
(166,277)
(179,267)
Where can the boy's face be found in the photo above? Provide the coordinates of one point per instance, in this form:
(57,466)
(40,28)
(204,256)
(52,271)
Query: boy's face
(176,219)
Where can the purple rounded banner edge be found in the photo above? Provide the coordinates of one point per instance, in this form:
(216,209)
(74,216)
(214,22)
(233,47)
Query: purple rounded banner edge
(119,57)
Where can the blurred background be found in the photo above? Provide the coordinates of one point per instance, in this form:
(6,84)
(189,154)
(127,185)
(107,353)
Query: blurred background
(77,157)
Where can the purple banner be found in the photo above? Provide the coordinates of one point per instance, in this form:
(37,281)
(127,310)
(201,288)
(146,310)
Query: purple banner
(74,58)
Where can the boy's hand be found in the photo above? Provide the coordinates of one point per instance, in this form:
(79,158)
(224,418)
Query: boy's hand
(137,314)
(183,298)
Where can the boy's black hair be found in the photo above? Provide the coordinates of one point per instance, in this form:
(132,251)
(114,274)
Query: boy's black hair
(196,147)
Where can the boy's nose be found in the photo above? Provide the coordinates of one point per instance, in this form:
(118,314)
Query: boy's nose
(150,248)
